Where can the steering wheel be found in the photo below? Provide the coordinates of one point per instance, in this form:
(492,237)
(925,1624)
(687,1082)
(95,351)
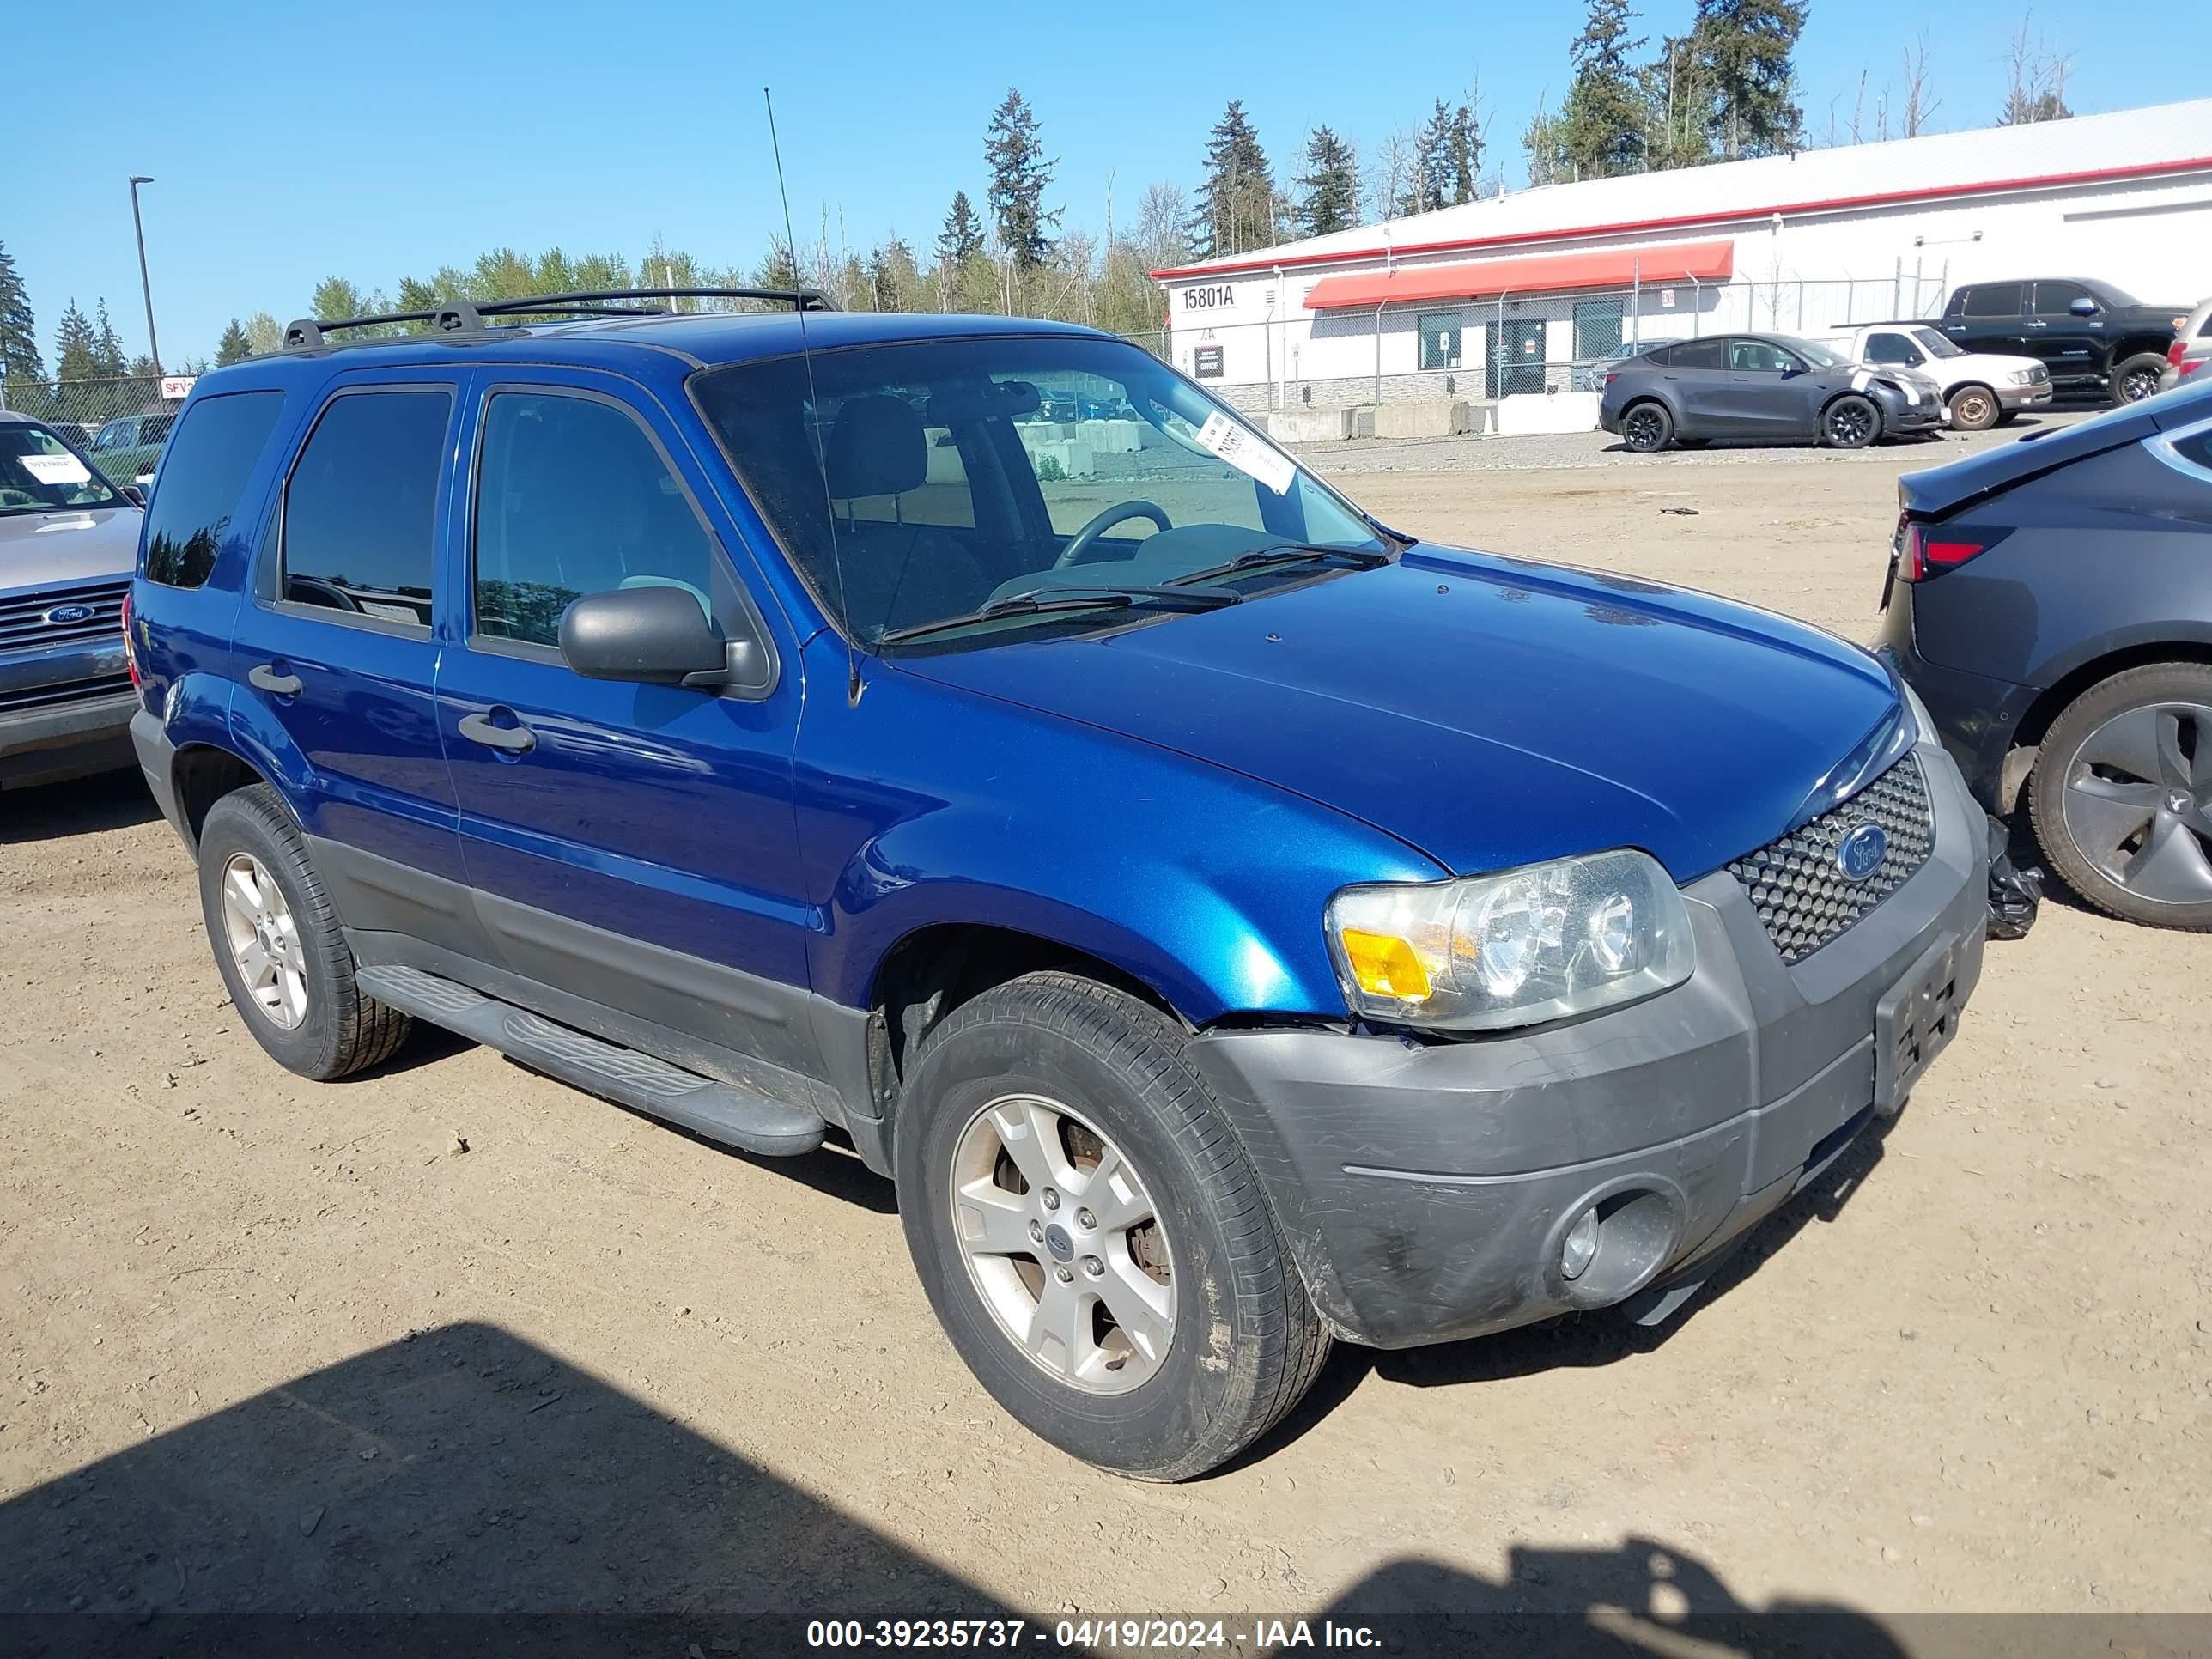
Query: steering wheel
(1080,544)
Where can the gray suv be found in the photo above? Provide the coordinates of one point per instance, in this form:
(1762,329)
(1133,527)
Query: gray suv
(69,539)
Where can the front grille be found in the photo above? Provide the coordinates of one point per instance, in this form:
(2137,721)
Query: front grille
(24,617)
(69,691)
(1803,898)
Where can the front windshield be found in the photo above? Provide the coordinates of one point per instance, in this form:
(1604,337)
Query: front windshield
(40,473)
(1934,344)
(961,473)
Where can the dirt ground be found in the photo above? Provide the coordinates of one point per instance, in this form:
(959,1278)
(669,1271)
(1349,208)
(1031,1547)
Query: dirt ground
(267,1345)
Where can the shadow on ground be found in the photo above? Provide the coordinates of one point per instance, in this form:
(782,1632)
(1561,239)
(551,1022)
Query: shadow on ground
(88,806)
(464,1491)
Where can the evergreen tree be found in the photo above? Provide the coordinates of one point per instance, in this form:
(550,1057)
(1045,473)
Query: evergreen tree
(20,358)
(1434,174)
(1742,49)
(1677,97)
(1020,173)
(1465,153)
(264,335)
(962,238)
(108,346)
(232,347)
(1236,206)
(77,348)
(893,283)
(779,269)
(1329,187)
(1604,112)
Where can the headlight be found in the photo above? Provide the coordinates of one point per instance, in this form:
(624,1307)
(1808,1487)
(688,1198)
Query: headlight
(1920,716)
(2023,377)
(1514,948)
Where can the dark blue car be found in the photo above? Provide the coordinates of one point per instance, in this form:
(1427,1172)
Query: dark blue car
(1233,924)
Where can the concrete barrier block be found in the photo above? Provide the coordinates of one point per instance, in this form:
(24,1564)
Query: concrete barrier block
(1529,412)
(1436,418)
(1309,426)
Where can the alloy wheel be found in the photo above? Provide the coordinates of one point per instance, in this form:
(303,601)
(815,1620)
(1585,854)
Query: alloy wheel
(2138,802)
(1644,429)
(2138,385)
(264,938)
(1063,1243)
(1850,425)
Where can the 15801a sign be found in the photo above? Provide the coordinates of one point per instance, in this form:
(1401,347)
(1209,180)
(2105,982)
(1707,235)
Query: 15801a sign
(1209,295)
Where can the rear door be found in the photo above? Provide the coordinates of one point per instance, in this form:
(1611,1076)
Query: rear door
(632,846)
(338,653)
(1989,317)
(1696,373)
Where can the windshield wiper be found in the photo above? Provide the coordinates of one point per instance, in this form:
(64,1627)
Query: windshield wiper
(1039,601)
(1283,553)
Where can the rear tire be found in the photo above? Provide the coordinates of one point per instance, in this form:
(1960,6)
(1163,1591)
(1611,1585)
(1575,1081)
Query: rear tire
(265,909)
(1647,427)
(2111,775)
(1851,422)
(1222,1340)
(2137,377)
(1975,408)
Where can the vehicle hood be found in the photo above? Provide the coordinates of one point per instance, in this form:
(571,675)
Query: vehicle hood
(54,549)
(1485,711)
(1970,364)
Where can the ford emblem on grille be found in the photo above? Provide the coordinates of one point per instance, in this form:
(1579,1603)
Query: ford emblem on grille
(1862,850)
(62,615)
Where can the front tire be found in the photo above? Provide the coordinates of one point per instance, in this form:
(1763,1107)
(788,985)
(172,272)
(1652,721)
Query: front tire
(2121,795)
(2137,377)
(1091,1235)
(1975,408)
(1647,427)
(1851,422)
(279,946)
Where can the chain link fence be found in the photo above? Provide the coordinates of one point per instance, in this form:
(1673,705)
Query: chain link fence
(88,404)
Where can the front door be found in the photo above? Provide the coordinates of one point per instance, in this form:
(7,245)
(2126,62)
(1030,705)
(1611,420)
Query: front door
(2073,348)
(1513,356)
(632,846)
(339,656)
(1765,394)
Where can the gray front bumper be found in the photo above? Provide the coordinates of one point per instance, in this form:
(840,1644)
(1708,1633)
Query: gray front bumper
(66,740)
(1426,1187)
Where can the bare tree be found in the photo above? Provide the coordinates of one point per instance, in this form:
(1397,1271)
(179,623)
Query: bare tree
(1390,175)
(1920,103)
(2037,90)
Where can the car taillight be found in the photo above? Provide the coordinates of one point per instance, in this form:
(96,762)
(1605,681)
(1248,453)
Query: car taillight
(130,647)
(2175,352)
(1930,552)
(2188,369)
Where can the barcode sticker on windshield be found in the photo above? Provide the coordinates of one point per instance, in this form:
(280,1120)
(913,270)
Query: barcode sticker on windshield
(1247,452)
(55,469)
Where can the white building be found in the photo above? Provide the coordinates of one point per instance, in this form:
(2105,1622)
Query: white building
(1503,295)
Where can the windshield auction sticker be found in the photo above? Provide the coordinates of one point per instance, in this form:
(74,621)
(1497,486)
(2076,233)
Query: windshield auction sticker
(1248,453)
(57,469)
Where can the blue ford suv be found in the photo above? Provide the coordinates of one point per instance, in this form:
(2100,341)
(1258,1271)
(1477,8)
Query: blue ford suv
(1233,924)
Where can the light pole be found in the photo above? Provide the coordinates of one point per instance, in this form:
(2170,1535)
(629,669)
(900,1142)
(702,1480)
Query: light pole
(145,285)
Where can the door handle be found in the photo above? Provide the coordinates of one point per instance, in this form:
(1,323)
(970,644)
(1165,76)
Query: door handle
(264,676)
(514,740)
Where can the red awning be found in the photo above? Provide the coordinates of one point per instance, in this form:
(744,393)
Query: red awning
(1611,268)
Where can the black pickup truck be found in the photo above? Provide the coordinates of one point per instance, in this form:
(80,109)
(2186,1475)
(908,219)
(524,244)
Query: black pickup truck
(2093,337)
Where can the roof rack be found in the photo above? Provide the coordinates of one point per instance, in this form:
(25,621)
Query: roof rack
(463,321)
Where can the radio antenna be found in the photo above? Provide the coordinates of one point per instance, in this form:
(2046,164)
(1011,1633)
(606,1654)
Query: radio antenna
(821,443)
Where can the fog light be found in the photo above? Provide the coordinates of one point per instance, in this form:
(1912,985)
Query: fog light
(1581,1245)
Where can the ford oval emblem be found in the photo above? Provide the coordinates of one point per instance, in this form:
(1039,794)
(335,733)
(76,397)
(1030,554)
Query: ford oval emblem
(62,615)
(1862,850)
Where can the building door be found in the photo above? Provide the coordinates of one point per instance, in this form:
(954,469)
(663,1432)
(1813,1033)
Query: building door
(1513,357)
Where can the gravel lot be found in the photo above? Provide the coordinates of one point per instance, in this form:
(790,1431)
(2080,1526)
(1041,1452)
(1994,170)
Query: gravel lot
(452,1337)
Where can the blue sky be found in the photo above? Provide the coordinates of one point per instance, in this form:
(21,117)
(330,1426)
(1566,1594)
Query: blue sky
(289,145)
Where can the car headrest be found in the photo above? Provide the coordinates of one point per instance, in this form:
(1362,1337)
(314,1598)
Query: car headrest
(877,447)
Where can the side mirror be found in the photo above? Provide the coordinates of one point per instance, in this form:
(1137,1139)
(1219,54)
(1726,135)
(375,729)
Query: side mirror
(131,494)
(2083,306)
(660,636)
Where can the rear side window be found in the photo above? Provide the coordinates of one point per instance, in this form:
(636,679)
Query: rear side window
(217,445)
(573,499)
(1993,299)
(1698,354)
(359,511)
